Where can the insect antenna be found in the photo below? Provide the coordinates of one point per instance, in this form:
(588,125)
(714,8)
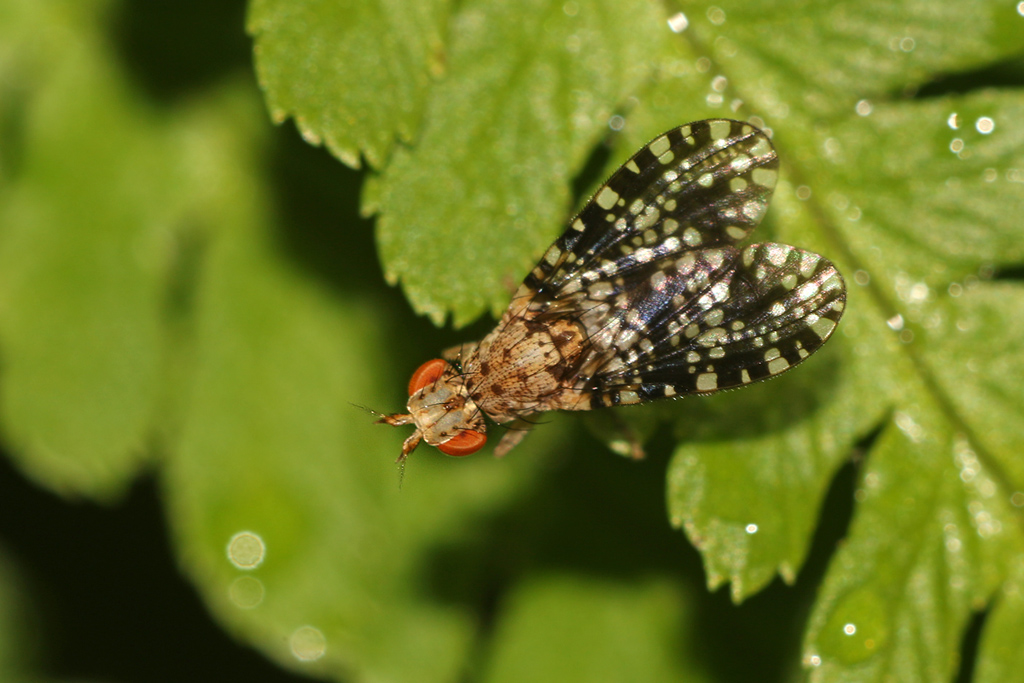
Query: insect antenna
(371,411)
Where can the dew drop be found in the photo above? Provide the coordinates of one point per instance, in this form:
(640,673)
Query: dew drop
(678,22)
(918,293)
(246,550)
(308,644)
(856,628)
(716,15)
(246,592)
(909,426)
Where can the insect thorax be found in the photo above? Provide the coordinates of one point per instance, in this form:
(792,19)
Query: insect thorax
(526,365)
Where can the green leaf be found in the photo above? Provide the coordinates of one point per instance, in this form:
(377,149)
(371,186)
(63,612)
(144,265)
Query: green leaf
(275,369)
(18,628)
(916,201)
(83,254)
(559,628)
(354,75)
(931,541)
(158,305)
(1000,658)
(493,164)
(102,199)
(822,58)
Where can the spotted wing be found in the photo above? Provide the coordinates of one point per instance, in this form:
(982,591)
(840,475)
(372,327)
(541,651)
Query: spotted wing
(713,320)
(650,269)
(703,185)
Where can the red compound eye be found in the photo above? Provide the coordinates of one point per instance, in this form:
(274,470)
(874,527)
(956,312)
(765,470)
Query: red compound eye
(427,374)
(465,442)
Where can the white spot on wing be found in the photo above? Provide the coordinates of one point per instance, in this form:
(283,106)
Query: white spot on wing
(776,254)
(606,198)
(659,146)
(720,129)
(707,381)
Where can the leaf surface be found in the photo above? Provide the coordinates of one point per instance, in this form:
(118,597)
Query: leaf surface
(159,306)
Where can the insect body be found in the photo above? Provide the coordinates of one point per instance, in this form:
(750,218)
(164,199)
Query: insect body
(645,296)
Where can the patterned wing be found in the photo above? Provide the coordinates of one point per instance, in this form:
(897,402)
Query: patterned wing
(650,269)
(703,185)
(712,320)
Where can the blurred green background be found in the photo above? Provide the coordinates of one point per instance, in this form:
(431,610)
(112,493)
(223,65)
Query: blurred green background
(195,303)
